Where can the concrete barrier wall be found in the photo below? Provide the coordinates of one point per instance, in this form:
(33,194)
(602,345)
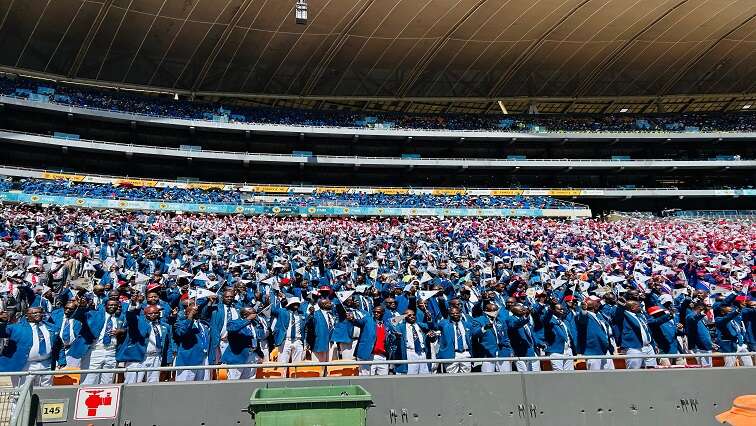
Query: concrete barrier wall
(687,397)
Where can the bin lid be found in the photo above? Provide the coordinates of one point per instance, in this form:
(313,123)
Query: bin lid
(309,394)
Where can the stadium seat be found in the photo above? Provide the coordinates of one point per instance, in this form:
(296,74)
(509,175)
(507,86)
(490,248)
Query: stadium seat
(271,372)
(66,379)
(343,370)
(307,371)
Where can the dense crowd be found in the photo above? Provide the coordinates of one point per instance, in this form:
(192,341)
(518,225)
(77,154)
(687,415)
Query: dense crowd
(98,289)
(133,102)
(184,195)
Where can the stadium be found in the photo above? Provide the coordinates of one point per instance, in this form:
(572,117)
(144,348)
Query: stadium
(369,212)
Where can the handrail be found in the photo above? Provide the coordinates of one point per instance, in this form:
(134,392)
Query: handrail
(409,161)
(302,127)
(22,408)
(359,362)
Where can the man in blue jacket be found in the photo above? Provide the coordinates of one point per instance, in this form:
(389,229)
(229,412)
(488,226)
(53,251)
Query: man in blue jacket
(377,340)
(32,345)
(664,331)
(103,332)
(289,331)
(455,342)
(412,345)
(320,326)
(70,325)
(593,336)
(490,332)
(521,337)
(558,338)
(731,335)
(220,315)
(699,338)
(192,337)
(635,336)
(242,345)
(148,344)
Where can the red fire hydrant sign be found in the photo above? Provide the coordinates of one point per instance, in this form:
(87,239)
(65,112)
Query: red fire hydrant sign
(97,402)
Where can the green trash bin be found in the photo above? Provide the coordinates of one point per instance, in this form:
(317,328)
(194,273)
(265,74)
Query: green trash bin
(310,406)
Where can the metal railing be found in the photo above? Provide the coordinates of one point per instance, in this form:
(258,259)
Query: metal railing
(130,115)
(342,363)
(370,160)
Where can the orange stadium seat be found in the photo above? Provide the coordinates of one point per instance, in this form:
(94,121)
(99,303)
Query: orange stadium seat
(271,372)
(343,370)
(66,379)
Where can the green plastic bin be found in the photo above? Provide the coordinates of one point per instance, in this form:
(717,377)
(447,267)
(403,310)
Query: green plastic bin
(310,406)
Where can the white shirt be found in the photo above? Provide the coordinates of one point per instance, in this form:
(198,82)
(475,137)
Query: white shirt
(296,323)
(459,328)
(152,340)
(356,330)
(34,352)
(226,319)
(601,323)
(114,320)
(410,338)
(642,324)
(71,335)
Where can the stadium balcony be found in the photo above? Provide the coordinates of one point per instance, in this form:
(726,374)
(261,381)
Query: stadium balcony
(135,108)
(263,158)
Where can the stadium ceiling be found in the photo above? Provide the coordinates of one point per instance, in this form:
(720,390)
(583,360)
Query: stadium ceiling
(404,55)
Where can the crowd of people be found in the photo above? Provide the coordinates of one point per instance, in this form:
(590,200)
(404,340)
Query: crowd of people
(133,102)
(194,195)
(98,289)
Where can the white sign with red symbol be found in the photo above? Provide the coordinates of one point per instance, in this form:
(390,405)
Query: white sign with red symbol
(97,402)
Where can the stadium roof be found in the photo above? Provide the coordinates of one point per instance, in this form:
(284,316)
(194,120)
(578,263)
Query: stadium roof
(399,49)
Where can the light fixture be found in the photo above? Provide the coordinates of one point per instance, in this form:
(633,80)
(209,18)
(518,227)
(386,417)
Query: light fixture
(747,106)
(624,110)
(175,96)
(300,12)
(503,108)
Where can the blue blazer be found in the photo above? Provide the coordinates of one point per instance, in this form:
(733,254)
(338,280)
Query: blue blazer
(242,340)
(592,338)
(698,334)
(217,314)
(401,345)
(366,343)
(749,320)
(138,331)
(192,341)
(554,335)
(20,342)
(282,316)
(78,346)
(728,337)
(664,332)
(485,340)
(630,328)
(446,342)
(93,324)
(318,333)
(522,344)
(344,329)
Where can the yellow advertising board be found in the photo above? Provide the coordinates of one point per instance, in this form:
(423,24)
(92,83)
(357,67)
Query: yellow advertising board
(334,189)
(271,188)
(392,191)
(449,191)
(565,192)
(66,176)
(135,182)
(506,192)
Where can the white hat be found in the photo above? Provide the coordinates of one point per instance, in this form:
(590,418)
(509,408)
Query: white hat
(294,299)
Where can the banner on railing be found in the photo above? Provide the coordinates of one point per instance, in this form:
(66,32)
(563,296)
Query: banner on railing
(59,176)
(284,210)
